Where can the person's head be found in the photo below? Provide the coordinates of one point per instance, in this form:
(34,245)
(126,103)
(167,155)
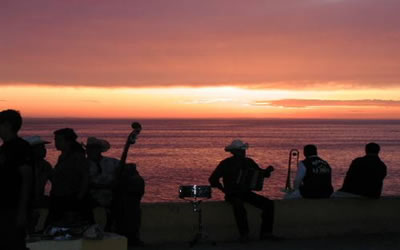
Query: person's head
(38,146)
(310,150)
(10,123)
(372,148)
(95,147)
(237,148)
(64,139)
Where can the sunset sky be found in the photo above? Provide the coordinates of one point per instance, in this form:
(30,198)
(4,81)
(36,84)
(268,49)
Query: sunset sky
(208,58)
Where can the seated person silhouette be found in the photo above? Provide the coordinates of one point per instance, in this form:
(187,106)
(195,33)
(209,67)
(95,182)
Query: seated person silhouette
(313,178)
(102,171)
(236,194)
(365,175)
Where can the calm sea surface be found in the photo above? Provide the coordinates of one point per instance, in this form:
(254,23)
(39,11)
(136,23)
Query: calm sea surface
(177,152)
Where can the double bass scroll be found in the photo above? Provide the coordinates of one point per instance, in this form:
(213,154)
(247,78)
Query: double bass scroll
(131,139)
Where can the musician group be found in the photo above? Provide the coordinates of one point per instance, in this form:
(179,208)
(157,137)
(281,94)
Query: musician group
(83,179)
(313,181)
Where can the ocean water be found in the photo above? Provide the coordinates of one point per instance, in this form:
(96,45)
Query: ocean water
(174,152)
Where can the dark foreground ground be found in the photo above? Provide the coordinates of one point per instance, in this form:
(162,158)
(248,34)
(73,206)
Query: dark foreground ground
(354,242)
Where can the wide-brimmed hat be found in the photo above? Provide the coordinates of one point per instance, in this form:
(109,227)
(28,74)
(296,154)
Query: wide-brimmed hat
(236,144)
(35,140)
(103,144)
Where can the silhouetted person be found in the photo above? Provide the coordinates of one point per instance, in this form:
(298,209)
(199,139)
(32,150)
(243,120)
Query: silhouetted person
(43,170)
(69,193)
(102,172)
(365,175)
(313,178)
(16,182)
(42,174)
(126,204)
(236,194)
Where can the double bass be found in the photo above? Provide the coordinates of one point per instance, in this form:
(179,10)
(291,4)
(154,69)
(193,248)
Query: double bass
(127,193)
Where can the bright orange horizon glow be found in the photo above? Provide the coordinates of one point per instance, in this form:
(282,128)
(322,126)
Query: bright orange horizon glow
(206,102)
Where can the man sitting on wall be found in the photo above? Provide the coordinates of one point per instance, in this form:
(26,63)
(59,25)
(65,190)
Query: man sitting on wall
(236,194)
(313,178)
(365,175)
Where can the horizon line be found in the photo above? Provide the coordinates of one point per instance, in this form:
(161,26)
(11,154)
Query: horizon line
(210,118)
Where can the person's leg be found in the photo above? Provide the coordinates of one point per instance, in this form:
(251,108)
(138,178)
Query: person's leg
(11,238)
(7,218)
(134,219)
(119,214)
(240,214)
(20,235)
(55,211)
(267,207)
(109,220)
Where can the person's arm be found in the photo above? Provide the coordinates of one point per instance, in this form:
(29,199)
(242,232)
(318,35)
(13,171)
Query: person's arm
(215,176)
(49,171)
(26,173)
(383,171)
(268,171)
(300,173)
(348,179)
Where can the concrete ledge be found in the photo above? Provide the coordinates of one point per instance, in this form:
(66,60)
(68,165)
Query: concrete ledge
(115,243)
(176,222)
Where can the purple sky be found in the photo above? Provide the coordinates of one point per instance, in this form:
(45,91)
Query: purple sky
(288,44)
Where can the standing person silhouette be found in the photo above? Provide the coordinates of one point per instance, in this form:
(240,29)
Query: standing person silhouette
(42,168)
(16,182)
(43,173)
(236,194)
(68,197)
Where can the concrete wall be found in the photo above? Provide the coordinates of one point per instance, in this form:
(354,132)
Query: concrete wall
(176,222)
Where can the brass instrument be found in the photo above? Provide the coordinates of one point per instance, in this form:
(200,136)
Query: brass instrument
(293,157)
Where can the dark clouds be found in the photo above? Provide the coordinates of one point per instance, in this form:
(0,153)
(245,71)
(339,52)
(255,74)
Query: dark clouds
(263,44)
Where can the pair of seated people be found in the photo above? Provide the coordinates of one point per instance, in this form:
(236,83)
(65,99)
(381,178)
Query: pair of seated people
(363,179)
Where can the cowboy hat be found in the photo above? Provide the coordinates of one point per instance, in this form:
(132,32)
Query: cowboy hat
(237,144)
(103,144)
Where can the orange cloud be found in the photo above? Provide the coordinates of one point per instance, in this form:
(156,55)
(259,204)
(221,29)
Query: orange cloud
(305,103)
